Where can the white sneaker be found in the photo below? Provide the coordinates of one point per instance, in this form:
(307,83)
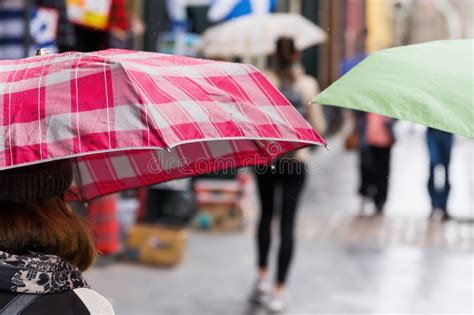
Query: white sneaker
(364,202)
(277,303)
(260,292)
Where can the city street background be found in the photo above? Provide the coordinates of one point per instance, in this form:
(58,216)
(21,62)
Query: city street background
(346,263)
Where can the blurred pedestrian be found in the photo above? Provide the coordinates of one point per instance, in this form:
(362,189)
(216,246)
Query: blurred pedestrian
(44,246)
(440,144)
(373,136)
(375,145)
(286,178)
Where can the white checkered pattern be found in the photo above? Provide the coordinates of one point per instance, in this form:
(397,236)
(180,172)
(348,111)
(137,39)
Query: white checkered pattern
(132,119)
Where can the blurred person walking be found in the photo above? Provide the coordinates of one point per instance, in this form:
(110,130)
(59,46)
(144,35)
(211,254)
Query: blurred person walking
(375,145)
(440,144)
(288,175)
(374,155)
(373,137)
(44,246)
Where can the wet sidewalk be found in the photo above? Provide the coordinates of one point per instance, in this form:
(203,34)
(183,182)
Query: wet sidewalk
(346,263)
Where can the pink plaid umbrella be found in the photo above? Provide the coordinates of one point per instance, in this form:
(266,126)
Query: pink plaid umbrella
(131,119)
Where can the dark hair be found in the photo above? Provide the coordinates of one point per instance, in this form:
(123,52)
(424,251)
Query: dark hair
(285,57)
(48,226)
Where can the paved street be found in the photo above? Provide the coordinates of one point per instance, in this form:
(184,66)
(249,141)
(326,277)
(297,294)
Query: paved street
(346,263)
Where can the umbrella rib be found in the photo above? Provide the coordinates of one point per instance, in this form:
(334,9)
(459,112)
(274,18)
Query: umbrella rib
(39,109)
(242,93)
(10,112)
(77,106)
(259,84)
(107,103)
(260,149)
(143,96)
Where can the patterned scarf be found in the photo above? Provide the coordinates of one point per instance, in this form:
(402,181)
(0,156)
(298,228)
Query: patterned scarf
(36,273)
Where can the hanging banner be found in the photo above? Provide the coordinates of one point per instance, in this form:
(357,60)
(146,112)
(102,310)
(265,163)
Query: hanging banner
(222,10)
(43,28)
(89,13)
(177,8)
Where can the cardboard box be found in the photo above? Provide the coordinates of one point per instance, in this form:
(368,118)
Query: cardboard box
(156,245)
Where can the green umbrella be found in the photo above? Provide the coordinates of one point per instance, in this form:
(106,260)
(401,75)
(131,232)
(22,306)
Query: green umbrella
(430,84)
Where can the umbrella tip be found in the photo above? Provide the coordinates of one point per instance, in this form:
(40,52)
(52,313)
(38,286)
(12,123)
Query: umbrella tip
(327,147)
(41,52)
(168,149)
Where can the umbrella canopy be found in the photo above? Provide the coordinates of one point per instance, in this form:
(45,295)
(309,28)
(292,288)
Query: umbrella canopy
(256,35)
(429,84)
(134,118)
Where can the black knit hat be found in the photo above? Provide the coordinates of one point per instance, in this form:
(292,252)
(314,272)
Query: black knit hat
(31,183)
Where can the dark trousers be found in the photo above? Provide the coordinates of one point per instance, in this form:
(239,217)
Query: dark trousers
(440,144)
(374,171)
(286,182)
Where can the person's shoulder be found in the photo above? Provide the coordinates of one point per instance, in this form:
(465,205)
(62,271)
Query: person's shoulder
(301,75)
(308,79)
(308,84)
(95,303)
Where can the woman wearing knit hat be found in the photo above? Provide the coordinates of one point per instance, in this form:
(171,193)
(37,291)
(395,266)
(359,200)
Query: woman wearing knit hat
(44,247)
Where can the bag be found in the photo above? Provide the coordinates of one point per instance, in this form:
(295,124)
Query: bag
(352,140)
(377,132)
(19,304)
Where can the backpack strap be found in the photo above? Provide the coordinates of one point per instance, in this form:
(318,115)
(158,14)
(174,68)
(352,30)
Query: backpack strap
(19,303)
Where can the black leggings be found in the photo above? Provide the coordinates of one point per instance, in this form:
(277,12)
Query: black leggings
(289,180)
(375,171)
